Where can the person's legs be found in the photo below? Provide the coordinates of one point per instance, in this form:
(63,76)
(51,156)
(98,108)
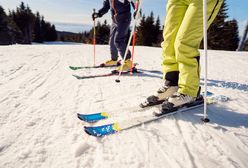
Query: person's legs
(187,43)
(121,44)
(113,49)
(175,14)
(121,37)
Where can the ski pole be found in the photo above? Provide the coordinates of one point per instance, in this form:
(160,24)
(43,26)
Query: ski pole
(94,38)
(134,38)
(129,41)
(205,22)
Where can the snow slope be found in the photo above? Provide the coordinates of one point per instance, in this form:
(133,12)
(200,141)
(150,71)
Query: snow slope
(39,99)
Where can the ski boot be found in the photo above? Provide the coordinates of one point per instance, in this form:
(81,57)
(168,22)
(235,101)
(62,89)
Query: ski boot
(179,100)
(125,67)
(162,94)
(111,63)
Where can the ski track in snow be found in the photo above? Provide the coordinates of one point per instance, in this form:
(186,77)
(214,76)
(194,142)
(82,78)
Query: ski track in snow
(39,99)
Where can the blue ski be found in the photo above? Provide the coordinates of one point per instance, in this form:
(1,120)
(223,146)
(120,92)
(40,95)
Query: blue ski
(112,128)
(115,127)
(92,118)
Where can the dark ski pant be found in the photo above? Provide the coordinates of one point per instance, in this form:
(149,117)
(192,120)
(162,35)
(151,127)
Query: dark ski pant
(118,39)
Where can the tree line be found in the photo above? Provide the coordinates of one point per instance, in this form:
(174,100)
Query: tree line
(22,26)
(149,33)
(223,34)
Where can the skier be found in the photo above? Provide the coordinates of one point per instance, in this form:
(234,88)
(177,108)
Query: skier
(121,18)
(183,32)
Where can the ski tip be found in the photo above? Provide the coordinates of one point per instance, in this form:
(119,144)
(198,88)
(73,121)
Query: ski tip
(144,104)
(72,68)
(78,77)
(92,118)
(75,68)
(86,129)
(99,131)
(85,118)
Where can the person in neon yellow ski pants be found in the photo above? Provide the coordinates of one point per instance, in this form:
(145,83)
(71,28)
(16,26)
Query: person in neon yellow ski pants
(183,32)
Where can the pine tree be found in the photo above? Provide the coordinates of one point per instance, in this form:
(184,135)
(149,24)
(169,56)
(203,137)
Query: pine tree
(43,28)
(140,31)
(102,33)
(158,33)
(17,33)
(222,34)
(5,32)
(148,31)
(24,18)
(37,29)
(9,32)
(48,31)
(53,34)
(25,27)
(231,35)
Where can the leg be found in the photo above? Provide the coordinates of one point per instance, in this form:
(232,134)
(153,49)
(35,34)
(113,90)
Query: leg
(113,49)
(175,14)
(187,43)
(121,37)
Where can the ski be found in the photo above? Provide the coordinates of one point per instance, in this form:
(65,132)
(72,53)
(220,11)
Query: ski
(95,117)
(115,127)
(74,68)
(113,73)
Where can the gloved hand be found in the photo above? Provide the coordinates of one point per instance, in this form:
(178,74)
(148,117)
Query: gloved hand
(135,14)
(96,15)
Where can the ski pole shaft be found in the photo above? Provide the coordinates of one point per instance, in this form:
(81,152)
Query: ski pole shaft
(94,39)
(134,38)
(205,119)
(129,41)
(132,65)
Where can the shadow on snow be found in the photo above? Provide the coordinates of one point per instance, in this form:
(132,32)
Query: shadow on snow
(224,84)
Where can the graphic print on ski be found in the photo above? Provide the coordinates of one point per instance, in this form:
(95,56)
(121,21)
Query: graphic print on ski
(114,127)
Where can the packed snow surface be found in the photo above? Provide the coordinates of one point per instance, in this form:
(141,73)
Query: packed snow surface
(39,100)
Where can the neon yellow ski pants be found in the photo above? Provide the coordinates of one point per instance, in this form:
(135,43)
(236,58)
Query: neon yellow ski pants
(182,34)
